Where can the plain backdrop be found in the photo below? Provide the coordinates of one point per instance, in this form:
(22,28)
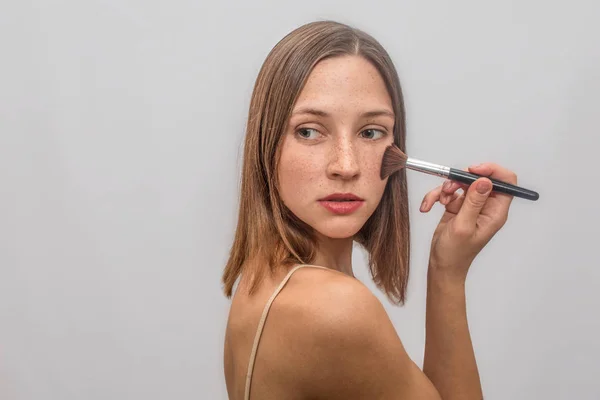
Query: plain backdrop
(121,130)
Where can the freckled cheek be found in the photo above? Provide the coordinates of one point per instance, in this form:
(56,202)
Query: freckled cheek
(371,168)
(299,176)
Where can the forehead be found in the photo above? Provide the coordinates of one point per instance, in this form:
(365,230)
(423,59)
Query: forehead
(346,81)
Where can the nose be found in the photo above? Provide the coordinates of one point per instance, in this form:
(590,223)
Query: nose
(344,161)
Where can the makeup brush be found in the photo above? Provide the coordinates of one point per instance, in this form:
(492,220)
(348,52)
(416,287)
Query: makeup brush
(394,160)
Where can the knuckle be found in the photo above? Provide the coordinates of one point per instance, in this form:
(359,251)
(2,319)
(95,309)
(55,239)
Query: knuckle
(462,231)
(509,176)
(498,222)
(475,200)
(502,220)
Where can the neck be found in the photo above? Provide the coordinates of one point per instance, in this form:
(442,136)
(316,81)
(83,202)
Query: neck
(335,254)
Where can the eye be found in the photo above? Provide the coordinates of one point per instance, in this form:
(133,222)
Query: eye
(308,133)
(373,134)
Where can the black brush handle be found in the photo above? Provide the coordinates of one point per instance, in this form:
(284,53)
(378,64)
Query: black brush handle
(498,186)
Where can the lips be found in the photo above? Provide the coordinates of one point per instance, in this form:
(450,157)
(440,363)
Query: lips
(342,197)
(342,203)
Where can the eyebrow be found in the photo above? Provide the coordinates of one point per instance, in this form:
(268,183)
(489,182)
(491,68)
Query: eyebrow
(321,113)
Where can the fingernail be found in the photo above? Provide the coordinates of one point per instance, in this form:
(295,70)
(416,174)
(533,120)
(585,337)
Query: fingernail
(475,166)
(483,187)
(423,204)
(447,185)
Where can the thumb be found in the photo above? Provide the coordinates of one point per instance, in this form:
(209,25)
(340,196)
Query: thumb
(475,199)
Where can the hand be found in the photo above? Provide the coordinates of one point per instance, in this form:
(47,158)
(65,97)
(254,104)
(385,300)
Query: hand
(470,220)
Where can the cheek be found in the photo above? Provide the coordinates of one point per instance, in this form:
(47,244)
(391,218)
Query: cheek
(299,173)
(371,169)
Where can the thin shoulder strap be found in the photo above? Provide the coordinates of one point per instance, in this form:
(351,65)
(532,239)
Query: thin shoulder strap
(261,324)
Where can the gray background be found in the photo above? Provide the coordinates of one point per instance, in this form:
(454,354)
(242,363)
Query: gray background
(121,124)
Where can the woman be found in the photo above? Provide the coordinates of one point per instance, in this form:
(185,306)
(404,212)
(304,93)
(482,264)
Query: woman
(326,104)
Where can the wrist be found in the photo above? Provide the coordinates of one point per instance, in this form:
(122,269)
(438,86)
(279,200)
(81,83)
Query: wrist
(451,278)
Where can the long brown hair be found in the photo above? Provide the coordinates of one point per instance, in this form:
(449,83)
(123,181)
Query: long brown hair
(268,235)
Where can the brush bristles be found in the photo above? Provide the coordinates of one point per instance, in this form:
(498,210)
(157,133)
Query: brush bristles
(393,160)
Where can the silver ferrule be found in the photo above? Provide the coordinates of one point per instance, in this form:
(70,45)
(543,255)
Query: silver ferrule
(428,168)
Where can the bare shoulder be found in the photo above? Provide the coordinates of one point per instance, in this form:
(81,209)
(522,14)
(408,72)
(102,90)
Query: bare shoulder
(334,301)
(341,342)
(328,304)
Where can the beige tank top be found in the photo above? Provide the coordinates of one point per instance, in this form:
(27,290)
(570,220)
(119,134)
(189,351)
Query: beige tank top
(261,324)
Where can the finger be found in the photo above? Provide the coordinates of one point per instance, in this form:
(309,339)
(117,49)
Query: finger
(481,169)
(499,202)
(446,198)
(443,194)
(450,187)
(466,219)
(450,200)
(453,207)
(430,199)
(495,171)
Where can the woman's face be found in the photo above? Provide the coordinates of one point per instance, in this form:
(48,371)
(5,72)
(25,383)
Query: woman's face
(331,152)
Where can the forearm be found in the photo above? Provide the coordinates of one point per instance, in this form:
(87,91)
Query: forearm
(449,357)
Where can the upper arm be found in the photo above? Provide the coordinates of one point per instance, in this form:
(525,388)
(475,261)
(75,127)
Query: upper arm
(355,350)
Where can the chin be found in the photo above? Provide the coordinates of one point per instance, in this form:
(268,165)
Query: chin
(340,229)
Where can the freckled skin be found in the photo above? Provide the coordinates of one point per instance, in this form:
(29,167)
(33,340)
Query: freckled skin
(337,154)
